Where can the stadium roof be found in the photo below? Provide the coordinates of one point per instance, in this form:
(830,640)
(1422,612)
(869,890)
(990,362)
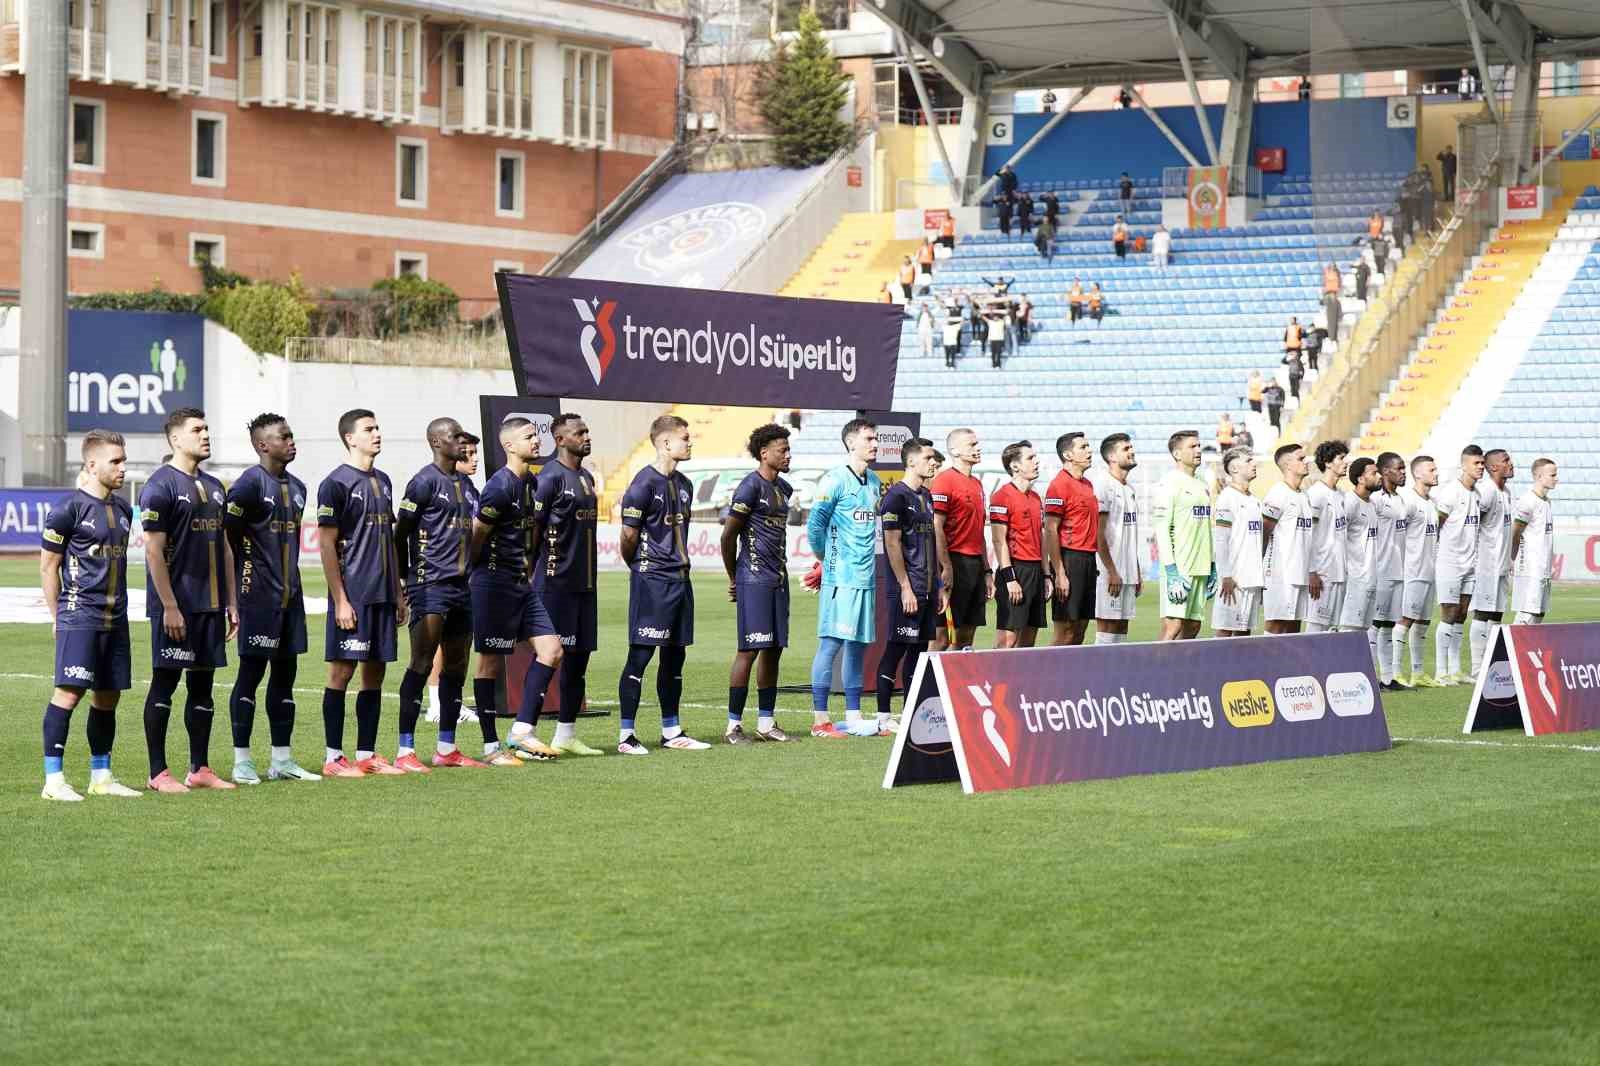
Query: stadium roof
(1035,43)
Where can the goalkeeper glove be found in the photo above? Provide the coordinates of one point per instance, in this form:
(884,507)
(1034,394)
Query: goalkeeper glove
(1177,585)
(1211,583)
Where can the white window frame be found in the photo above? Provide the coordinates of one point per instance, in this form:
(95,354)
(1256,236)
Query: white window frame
(100,136)
(221,161)
(400,145)
(603,140)
(513,265)
(421,259)
(217,27)
(220,259)
(99,231)
(521,204)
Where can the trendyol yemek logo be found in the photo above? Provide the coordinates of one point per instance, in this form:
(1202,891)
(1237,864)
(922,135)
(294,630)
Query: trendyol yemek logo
(93,392)
(598,319)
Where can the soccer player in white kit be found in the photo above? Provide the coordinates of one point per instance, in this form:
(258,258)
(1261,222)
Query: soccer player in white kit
(1491,596)
(1286,525)
(1236,528)
(1121,571)
(1421,555)
(1360,543)
(1328,513)
(1533,546)
(1455,574)
(1389,565)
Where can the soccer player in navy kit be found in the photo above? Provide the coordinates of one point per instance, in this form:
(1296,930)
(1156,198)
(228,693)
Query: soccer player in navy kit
(917,599)
(655,521)
(565,513)
(505,609)
(355,525)
(86,536)
(433,534)
(755,554)
(189,593)
(467,466)
(262,522)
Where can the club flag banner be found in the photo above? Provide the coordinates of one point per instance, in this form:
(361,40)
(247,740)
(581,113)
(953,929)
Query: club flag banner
(1208,197)
(1541,678)
(1040,716)
(587,339)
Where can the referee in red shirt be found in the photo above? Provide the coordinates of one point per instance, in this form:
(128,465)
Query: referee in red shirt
(1071,533)
(1015,519)
(958,514)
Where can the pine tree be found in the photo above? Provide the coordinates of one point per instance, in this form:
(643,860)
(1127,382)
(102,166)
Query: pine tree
(801,91)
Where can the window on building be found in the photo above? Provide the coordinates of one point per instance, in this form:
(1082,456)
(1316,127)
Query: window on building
(411,172)
(410,264)
(88,135)
(208,248)
(219,31)
(86,240)
(1352,85)
(209,149)
(394,77)
(586,95)
(508,183)
(508,80)
(458,63)
(1566,78)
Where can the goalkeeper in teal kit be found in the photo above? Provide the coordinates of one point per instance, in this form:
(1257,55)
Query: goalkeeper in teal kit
(843,531)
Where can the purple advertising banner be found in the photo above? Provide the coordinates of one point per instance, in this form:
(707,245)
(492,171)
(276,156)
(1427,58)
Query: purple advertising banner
(608,340)
(1025,717)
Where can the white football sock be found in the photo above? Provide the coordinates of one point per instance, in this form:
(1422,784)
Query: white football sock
(1441,651)
(433,697)
(1419,648)
(763,724)
(1526,619)
(56,778)
(362,756)
(1479,639)
(851,716)
(1455,647)
(520,729)
(241,755)
(492,746)
(1384,640)
(671,731)
(283,754)
(445,747)
(98,775)
(333,754)
(1109,638)
(566,731)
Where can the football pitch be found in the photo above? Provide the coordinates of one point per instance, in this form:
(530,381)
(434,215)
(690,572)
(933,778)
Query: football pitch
(772,903)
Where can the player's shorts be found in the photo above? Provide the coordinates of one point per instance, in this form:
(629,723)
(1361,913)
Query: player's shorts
(1328,608)
(1240,616)
(1417,601)
(1118,608)
(504,614)
(373,640)
(847,614)
(100,660)
(574,613)
(268,632)
(916,629)
(1192,609)
(762,615)
(1029,614)
(1388,601)
(1452,587)
(1282,602)
(1492,594)
(1531,595)
(660,610)
(968,594)
(1083,574)
(451,600)
(203,647)
(1360,602)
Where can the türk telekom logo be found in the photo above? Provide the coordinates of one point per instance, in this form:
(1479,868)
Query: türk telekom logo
(597,317)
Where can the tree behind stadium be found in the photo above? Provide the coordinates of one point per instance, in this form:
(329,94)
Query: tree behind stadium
(801,91)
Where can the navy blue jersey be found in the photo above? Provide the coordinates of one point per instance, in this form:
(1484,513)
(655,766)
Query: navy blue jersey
(763,547)
(188,509)
(93,536)
(911,512)
(360,505)
(263,514)
(565,505)
(507,507)
(657,505)
(442,507)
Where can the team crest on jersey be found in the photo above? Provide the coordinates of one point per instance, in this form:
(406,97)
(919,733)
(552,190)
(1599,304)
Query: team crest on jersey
(668,246)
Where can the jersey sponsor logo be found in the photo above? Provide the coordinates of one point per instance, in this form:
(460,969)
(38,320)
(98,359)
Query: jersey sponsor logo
(261,640)
(596,317)
(653,632)
(53,537)
(355,644)
(408,505)
(326,511)
(500,643)
(908,631)
(1200,510)
(77,673)
(755,638)
(178,655)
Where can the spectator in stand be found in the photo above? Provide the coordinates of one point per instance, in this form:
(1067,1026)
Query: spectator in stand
(884,295)
(997,318)
(1052,209)
(1075,302)
(980,326)
(1097,304)
(1007,180)
(1002,210)
(1363,272)
(1375,225)
(1293,336)
(1397,227)
(1379,251)
(1024,318)
(1407,203)
(1447,172)
(1313,349)
(1024,213)
(1272,395)
(1430,209)
(1225,431)
(1303,91)
(1044,239)
(952,334)
(947,231)
(1297,371)
(1243,439)
(1252,390)
(1119,238)
(1161,248)
(1047,103)
(1331,283)
(908,277)
(1125,192)
(925,257)
(925,330)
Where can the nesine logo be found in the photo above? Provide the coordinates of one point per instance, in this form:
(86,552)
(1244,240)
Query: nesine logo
(91,392)
(1248,703)
(598,316)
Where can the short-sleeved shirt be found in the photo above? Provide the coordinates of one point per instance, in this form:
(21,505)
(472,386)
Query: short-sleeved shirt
(1181,510)
(1536,550)
(1360,538)
(507,507)
(1022,513)
(566,508)
(1073,500)
(1390,550)
(1461,509)
(1238,538)
(657,505)
(1422,535)
(92,537)
(1494,528)
(959,497)
(359,504)
(843,527)
(1330,514)
(910,511)
(763,545)
(441,506)
(188,509)
(1119,517)
(1289,551)
(265,513)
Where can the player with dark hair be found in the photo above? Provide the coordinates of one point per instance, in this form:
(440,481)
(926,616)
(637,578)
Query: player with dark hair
(1329,514)
(1120,548)
(1016,526)
(1236,535)
(1360,547)
(958,519)
(467,467)
(1388,565)
(1286,527)
(1455,575)
(1421,551)
(1491,595)
(756,557)
(917,599)
(264,508)
(189,592)
(83,576)
(1181,510)
(355,529)
(1072,537)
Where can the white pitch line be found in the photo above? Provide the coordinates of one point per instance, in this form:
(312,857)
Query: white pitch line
(1497,744)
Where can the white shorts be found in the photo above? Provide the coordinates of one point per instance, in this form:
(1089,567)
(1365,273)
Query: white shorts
(1284,603)
(1452,586)
(1417,602)
(1531,595)
(1241,615)
(1391,595)
(1118,608)
(1327,609)
(1360,600)
(1492,595)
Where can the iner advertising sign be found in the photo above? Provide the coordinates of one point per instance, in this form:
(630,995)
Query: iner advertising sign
(127,370)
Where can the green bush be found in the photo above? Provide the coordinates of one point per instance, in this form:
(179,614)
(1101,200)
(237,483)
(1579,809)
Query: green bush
(154,299)
(409,303)
(264,314)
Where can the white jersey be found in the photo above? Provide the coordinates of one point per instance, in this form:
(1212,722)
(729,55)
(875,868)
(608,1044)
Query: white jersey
(1494,529)
(1536,551)
(1289,551)
(1327,535)
(1237,533)
(1460,509)
(1360,539)
(1389,551)
(1422,535)
(1119,517)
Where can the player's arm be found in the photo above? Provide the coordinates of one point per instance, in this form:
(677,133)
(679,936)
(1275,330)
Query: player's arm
(999,530)
(240,505)
(894,550)
(732,530)
(1052,554)
(1222,550)
(232,589)
(1107,563)
(1518,524)
(409,508)
(330,505)
(155,510)
(402,610)
(52,548)
(633,508)
(821,516)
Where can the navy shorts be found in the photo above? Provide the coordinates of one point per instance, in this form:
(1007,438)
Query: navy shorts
(660,610)
(268,632)
(97,659)
(763,615)
(371,641)
(916,628)
(504,614)
(574,614)
(204,646)
(451,600)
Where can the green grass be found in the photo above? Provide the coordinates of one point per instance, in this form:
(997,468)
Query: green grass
(759,905)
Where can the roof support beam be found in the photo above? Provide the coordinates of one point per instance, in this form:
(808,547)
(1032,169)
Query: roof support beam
(1505,25)
(955,61)
(928,116)
(1044,131)
(1194,88)
(1150,113)
(1201,33)
(1237,122)
(1468,7)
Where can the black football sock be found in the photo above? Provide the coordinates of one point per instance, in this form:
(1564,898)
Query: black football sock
(669,683)
(450,686)
(57,720)
(198,714)
(242,700)
(101,732)
(573,681)
(535,683)
(412,686)
(157,712)
(484,695)
(280,700)
(738,696)
(631,684)
(888,673)
(333,718)
(369,706)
